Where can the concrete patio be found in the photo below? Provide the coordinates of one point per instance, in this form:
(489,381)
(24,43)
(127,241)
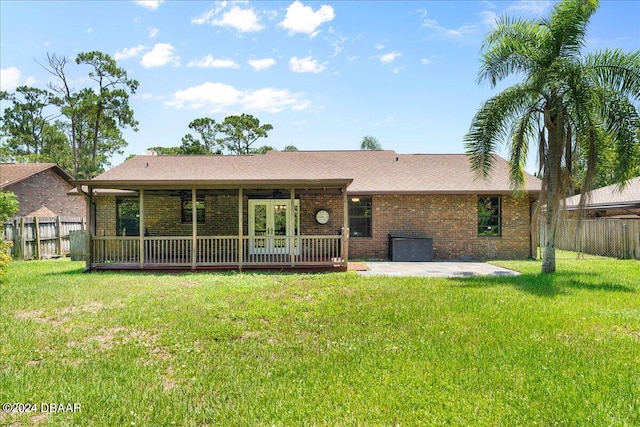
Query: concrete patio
(435,269)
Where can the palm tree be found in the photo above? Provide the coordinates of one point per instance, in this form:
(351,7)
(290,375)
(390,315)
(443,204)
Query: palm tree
(370,143)
(568,103)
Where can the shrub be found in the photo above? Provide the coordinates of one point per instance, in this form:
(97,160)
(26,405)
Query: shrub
(8,206)
(5,254)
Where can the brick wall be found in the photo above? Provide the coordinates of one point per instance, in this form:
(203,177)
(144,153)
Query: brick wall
(47,189)
(310,203)
(163,216)
(451,220)
(105,215)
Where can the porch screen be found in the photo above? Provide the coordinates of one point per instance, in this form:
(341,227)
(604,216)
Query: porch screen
(187,210)
(128,217)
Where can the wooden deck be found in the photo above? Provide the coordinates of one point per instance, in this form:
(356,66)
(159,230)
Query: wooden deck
(182,253)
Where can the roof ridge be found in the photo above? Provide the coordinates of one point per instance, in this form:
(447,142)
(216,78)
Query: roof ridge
(37,168)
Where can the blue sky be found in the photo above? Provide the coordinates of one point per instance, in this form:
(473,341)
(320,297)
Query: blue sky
(324,74)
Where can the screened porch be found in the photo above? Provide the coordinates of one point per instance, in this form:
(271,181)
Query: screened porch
(257,227)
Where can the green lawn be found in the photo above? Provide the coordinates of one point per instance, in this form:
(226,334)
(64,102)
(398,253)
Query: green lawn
(326,349)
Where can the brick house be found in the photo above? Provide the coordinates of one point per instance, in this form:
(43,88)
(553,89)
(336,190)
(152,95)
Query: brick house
(300,209)
(41,189)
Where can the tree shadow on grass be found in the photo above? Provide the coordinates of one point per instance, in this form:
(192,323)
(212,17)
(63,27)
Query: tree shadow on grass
(547,285)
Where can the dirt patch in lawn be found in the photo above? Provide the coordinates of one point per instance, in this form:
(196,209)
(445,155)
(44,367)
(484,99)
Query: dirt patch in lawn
(63,315)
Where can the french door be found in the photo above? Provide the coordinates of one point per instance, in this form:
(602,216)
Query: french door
(270,218)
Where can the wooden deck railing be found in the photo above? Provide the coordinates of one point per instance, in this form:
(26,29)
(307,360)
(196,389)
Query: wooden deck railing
(116,250)
(211,251)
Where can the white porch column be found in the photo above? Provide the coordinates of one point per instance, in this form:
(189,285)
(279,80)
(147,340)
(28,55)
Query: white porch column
(141,229)
(345,227)
(292,226)
(194,227)
(240,226)
(90,227)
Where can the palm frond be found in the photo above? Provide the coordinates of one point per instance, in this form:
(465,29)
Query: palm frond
(492,123)
(615,70)
(512,47)
(568,26)
(623,123)
(525,129)
(591,154)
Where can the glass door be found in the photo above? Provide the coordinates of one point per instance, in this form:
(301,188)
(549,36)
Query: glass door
(270,218)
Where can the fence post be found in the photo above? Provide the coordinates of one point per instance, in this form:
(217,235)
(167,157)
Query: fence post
(23,240)
(59,235)
(36,232)
(625,242)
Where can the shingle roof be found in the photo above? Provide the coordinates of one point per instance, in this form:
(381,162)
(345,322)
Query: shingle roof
(42,212)
(610,196)
(372,172)
(10,173)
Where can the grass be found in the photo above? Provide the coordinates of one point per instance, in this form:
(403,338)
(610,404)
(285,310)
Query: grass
(326,349)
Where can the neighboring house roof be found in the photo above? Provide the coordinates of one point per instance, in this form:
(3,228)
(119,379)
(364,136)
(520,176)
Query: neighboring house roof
(368,172)
(11,173)
(43,212)
(610,196)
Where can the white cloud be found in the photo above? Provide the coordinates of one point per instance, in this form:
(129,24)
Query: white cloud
(206,95)
(379,46)
(203,19)
(149,4)
(338,46)
(489,18)
(425,61)
(9,78)
(302,19)
(243,20)
(90,30)
(210,62)
(461,31)
(153,31)
(129,52)
(261,64)
(216,97)
(273,100)
(161,54)
(388,58)
(530,7)
(454,33)
(305,65)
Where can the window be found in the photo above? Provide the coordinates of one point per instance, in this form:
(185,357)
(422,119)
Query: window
(360,216)
(187,210)
(489,217)
(128,217)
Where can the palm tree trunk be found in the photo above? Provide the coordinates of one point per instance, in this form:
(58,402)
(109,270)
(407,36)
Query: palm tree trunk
(549,249)
(553,170)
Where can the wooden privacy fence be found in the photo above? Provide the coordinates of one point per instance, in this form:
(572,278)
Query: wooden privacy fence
(610,237)
(37,238)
